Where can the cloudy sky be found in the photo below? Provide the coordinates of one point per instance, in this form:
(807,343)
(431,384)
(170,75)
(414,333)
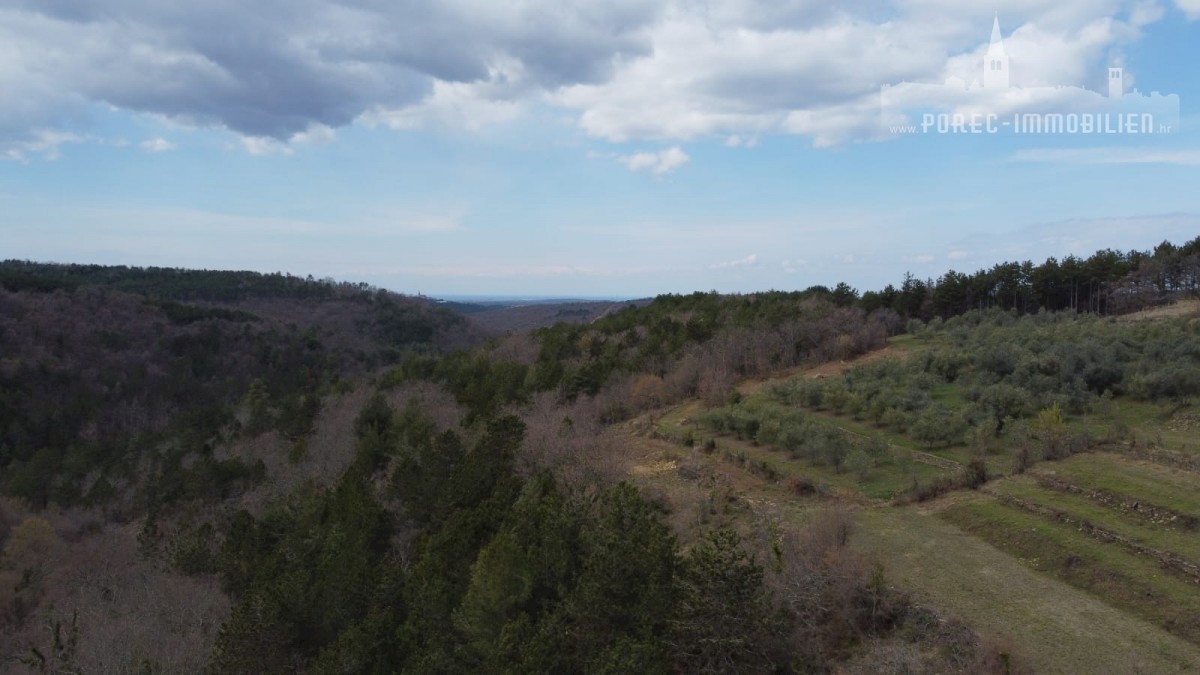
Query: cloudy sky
(559,147)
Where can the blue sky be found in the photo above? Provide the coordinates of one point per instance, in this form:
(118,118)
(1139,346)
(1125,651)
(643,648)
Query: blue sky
(539,148)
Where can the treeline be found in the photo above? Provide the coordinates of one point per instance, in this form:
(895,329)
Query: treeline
(390,320)
(172,283)
(1107,282)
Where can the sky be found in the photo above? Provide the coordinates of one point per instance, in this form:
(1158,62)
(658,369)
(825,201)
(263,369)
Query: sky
(590,149)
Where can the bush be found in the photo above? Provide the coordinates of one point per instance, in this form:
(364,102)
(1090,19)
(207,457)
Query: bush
(975,474)
(803,486)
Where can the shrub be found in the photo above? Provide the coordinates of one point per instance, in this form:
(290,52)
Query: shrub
(803,486)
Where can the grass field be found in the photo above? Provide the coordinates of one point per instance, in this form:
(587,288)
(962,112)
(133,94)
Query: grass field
(1122,523)
(1165,486)
(1059,628)
(1133,583)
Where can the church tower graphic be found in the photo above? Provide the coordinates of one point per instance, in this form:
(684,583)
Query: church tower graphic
(1116,83)
(994,104)
(995,64)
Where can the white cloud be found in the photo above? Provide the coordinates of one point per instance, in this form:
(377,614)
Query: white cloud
(727,71)
(1147,12)
(1108,156)
(749,261)
(957,255)
(263,145)
(1189,7)
(921,259)
(282,74)
(44,142)
(156,145)
(737,141)
(658,163)
(472,106)
(315,134)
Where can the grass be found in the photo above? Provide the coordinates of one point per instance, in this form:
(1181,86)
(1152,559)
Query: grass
(1057,627)
(1163,486)
(1126,581)
(1124,524)
(1149,422)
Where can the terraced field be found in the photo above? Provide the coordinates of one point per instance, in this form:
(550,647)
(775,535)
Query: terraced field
(1089,564)
(1058,627)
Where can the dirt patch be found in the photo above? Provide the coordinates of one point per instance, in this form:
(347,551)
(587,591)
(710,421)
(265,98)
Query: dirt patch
(661,466)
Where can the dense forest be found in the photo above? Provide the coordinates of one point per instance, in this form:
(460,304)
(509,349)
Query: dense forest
(336,478)
(1107,282)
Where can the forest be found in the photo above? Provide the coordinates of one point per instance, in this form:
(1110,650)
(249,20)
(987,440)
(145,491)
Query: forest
(208,471)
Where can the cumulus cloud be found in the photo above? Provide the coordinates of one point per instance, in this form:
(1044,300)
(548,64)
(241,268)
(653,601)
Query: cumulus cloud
(273,70)
(1189,7)
(628,69)
(737,141)
(316,134)
(42,142)
(156,145)
(658,163)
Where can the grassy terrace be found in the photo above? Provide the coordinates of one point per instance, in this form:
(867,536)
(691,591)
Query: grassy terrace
(1124,524)
(1059,627)
(1127,581)
(1157,484)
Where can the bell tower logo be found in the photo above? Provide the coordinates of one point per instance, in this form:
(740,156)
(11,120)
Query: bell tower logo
(995,63)
(993,104)
(1116,83)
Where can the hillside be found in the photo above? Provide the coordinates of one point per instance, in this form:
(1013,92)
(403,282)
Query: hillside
(334,478)
(105,367)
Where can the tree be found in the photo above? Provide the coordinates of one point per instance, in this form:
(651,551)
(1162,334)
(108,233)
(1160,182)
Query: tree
(724,623)
(859,463)
(937,426)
